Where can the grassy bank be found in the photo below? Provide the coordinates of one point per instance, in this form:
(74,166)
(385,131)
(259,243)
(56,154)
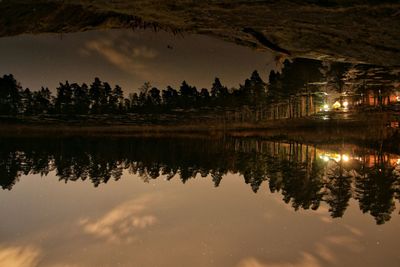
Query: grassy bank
(368,126)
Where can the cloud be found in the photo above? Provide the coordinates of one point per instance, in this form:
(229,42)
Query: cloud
(19,256)
(121,224)
(143,52)
(123,55)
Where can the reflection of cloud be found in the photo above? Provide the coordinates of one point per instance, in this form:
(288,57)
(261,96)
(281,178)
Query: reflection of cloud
(306,260)
(123,55)
(346,242)
(354,230)
(325,252)
(19,256)
(120,224)
(250,262)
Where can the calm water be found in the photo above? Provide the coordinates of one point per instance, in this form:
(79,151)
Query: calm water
(242,202)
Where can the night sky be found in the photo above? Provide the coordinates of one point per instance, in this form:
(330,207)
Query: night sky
(129,59)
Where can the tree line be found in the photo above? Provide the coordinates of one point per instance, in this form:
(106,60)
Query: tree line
(293,92)
(101,98)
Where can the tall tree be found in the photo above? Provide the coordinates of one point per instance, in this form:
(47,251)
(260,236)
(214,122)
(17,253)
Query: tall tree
(63,101)
(188,95)
(10,98)
(117,99)
(170,97)
(218,90)
(154,97)
(95,92)
(81,98)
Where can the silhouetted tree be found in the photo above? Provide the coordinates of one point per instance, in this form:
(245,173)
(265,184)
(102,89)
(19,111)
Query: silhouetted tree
(9,95)
(170,97)
(81,98)
(154,97)
(188,95)
(63,101)
(218,91)
(27,102)
(117,99)
(42,101)
(95,95)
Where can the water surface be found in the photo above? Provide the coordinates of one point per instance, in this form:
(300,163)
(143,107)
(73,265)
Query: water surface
(196,202)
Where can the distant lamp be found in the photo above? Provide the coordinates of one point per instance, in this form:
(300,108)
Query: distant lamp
(398,98)
(326,107)
(345,158)
(345,104)
(336,105)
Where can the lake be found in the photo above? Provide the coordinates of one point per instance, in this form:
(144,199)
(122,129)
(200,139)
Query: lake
(197,201)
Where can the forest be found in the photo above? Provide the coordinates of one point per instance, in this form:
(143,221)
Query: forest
(101,98)
(298,90)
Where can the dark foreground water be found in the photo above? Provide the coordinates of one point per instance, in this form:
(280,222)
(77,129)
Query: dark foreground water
(242,202)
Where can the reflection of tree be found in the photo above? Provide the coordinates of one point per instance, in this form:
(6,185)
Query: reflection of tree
(253,168)
(9,170)
(292,169)
(375,188)
(299,188)
(339,189)
(298,175)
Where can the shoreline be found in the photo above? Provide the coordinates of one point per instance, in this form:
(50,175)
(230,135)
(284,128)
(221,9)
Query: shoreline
(377,125)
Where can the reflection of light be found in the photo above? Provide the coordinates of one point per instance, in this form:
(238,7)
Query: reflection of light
(335,157)
(336,105)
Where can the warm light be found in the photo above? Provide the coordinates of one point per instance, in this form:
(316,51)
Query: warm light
(324,158)
(326,107)
(345,104)
(345,158)
(398,98)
